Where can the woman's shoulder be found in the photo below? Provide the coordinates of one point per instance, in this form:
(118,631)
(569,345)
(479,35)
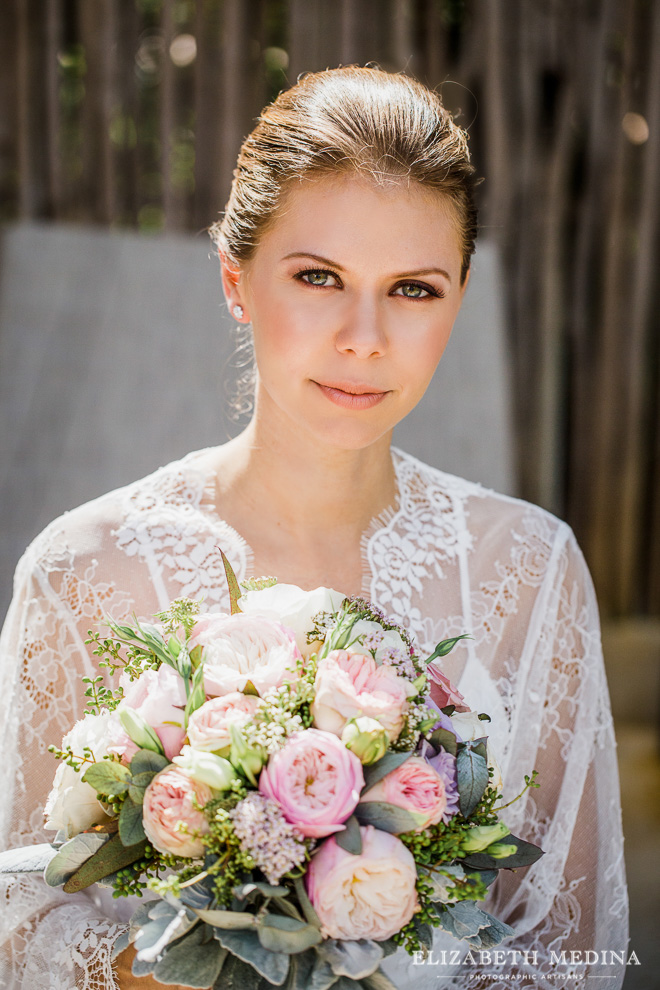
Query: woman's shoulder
(167,499)
(441,499)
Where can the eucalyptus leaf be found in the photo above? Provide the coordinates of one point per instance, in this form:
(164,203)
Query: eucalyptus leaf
(191,962)
(107,777)
(386,817)
(228,920)
(27,859)
(350,839)
(246,945)
(527,853)
(376,771)
(138,786)
(472,779)
(112,856)
(279,933)
(444,739)
(71,856)
(355,958)
(146,761)
(306,904)
(378,981)
(131,829)
(245,891)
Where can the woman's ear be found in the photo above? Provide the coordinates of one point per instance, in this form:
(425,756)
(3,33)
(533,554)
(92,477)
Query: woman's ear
(231,284)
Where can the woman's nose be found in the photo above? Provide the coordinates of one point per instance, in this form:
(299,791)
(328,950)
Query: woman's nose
(362,332)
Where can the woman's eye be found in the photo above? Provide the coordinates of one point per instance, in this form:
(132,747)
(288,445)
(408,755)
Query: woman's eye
(318,277)
(410,290)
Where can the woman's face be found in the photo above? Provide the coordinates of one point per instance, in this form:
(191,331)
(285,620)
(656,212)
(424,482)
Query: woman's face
(352,294)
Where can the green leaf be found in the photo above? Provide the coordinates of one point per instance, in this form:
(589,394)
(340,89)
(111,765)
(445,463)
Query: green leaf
(72,855)
(446,646)
(350,840)
(306,904)
(322,976)
(166,923)
(527,853)
(467,921)
(245,890)
(472,779)
(131,829)
(300,970)
(191,961)
(138,786)
(27,859)
(108,778)
(139,731)
(234,589)
(228,920)
(386,817)
(444,739)
(246,945)
(120,943)
(197,696)
(377,770)
(112,856)
(147,761)
(278,933)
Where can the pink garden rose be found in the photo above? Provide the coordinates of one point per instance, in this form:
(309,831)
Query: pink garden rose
(315,780)
(170,798)
(241,648)
(367,896)
(443,692)
(208,728)
(348,685)
(415,787)
(159,696)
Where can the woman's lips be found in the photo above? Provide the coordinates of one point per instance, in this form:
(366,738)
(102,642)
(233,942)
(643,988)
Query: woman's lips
(352,396)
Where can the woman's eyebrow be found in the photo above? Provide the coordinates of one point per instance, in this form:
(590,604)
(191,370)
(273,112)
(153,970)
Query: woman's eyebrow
(335,264)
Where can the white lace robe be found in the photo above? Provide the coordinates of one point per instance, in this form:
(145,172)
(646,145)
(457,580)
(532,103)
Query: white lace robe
(452,558)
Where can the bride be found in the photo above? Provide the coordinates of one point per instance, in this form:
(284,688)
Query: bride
(346,245)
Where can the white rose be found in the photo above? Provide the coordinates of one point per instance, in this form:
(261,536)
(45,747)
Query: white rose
(241,648)
(293,607)
(468,725)
(72,803)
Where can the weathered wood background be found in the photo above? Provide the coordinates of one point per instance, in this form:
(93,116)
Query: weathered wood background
(131,112)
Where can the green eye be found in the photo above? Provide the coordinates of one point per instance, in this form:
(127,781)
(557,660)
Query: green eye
(317,278)
(412,291)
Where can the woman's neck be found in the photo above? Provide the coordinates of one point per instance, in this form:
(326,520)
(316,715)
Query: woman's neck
(303,507)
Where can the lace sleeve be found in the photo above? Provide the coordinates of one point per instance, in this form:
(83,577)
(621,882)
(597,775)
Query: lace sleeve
(570,908)
(48,939)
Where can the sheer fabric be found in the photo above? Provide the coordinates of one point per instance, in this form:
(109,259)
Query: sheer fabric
(451,557)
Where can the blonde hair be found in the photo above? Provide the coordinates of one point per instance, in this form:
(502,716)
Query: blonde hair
(351,119)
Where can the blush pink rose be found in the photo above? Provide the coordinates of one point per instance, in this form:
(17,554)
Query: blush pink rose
(208,728)
(159,696)
(169,799)
(241,648)
(370,896)
(443,692)
(415,787)
(315,780)
(349,685)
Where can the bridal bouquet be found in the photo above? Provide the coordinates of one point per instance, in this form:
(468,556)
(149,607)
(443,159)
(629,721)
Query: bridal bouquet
(301,789)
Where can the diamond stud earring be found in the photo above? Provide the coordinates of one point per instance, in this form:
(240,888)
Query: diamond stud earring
(238,312)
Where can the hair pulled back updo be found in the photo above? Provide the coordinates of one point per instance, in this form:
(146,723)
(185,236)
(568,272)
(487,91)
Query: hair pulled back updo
(352,119)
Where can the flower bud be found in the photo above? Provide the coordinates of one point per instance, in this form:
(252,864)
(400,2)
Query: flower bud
(365,737)
(249,760)
(207,768)
(500,850)
(139,731)
(481,836)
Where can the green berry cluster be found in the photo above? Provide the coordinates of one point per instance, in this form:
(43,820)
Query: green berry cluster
(134,878)
(232,863)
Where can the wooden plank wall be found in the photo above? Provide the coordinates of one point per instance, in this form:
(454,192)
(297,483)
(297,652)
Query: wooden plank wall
(131,112)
